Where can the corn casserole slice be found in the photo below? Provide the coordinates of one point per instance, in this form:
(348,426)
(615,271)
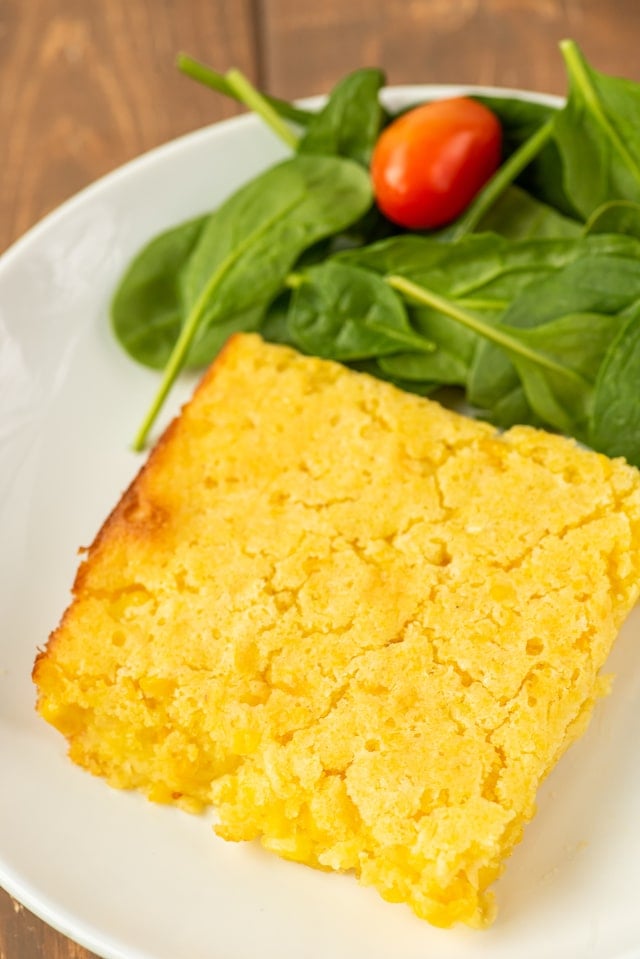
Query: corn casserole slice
(363,626)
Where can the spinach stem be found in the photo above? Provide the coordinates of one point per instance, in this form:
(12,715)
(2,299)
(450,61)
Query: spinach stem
(496,335)
(499,182)
(179,353)
(190,329)
(247,94)
(170,373)
(217,81)
(576,71)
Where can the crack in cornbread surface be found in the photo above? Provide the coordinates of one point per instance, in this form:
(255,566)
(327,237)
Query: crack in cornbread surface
(365,627)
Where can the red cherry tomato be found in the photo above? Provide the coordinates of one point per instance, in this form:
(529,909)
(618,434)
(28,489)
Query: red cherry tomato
(429,164)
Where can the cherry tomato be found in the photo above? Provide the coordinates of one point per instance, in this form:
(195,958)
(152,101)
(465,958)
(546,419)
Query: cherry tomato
(429,164)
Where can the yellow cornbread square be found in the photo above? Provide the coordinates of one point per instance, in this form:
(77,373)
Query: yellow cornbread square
(363,626)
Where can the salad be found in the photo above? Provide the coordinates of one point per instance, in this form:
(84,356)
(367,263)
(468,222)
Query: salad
(485,244)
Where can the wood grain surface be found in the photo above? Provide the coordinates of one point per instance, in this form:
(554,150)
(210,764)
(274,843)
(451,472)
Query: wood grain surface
(87,84)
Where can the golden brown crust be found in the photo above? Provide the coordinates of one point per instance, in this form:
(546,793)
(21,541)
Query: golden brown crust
(129,512)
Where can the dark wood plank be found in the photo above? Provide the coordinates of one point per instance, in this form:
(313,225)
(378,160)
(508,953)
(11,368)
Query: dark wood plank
(307,47)
(23,936)
(87,86)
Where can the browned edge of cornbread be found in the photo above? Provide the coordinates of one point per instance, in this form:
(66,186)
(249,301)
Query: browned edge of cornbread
(128,500)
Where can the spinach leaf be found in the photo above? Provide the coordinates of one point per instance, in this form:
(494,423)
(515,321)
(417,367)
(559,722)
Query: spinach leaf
(557,372)
(517,215)
(482,266)
(455,345)
(342,312)
(409,253)
(249,245)
(442,265)
(578,343)
(615,416)
(619,216)
(350,122)
(596,283)
(598,136)
(252,241)
(482,273)
(442,367)
(147,308)
(275,325)
(513,408)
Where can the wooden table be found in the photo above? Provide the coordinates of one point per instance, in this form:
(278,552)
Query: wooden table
(87,84)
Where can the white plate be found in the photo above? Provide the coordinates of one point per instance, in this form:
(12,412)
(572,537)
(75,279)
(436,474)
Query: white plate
(125,877)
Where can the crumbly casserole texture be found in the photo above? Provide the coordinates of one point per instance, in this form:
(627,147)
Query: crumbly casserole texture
(363,626)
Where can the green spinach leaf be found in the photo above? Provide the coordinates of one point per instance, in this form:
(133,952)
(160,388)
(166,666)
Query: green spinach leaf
(517,215)
(443,367)
(513,408)
(484,266)
(351,120)
(598,136)
(593,283)
(409,253)
(345,313)
(251,243)
(147,308)
(615,415)
(275,325)
(557,370)
(578,343)
(442,265)
(484,274)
